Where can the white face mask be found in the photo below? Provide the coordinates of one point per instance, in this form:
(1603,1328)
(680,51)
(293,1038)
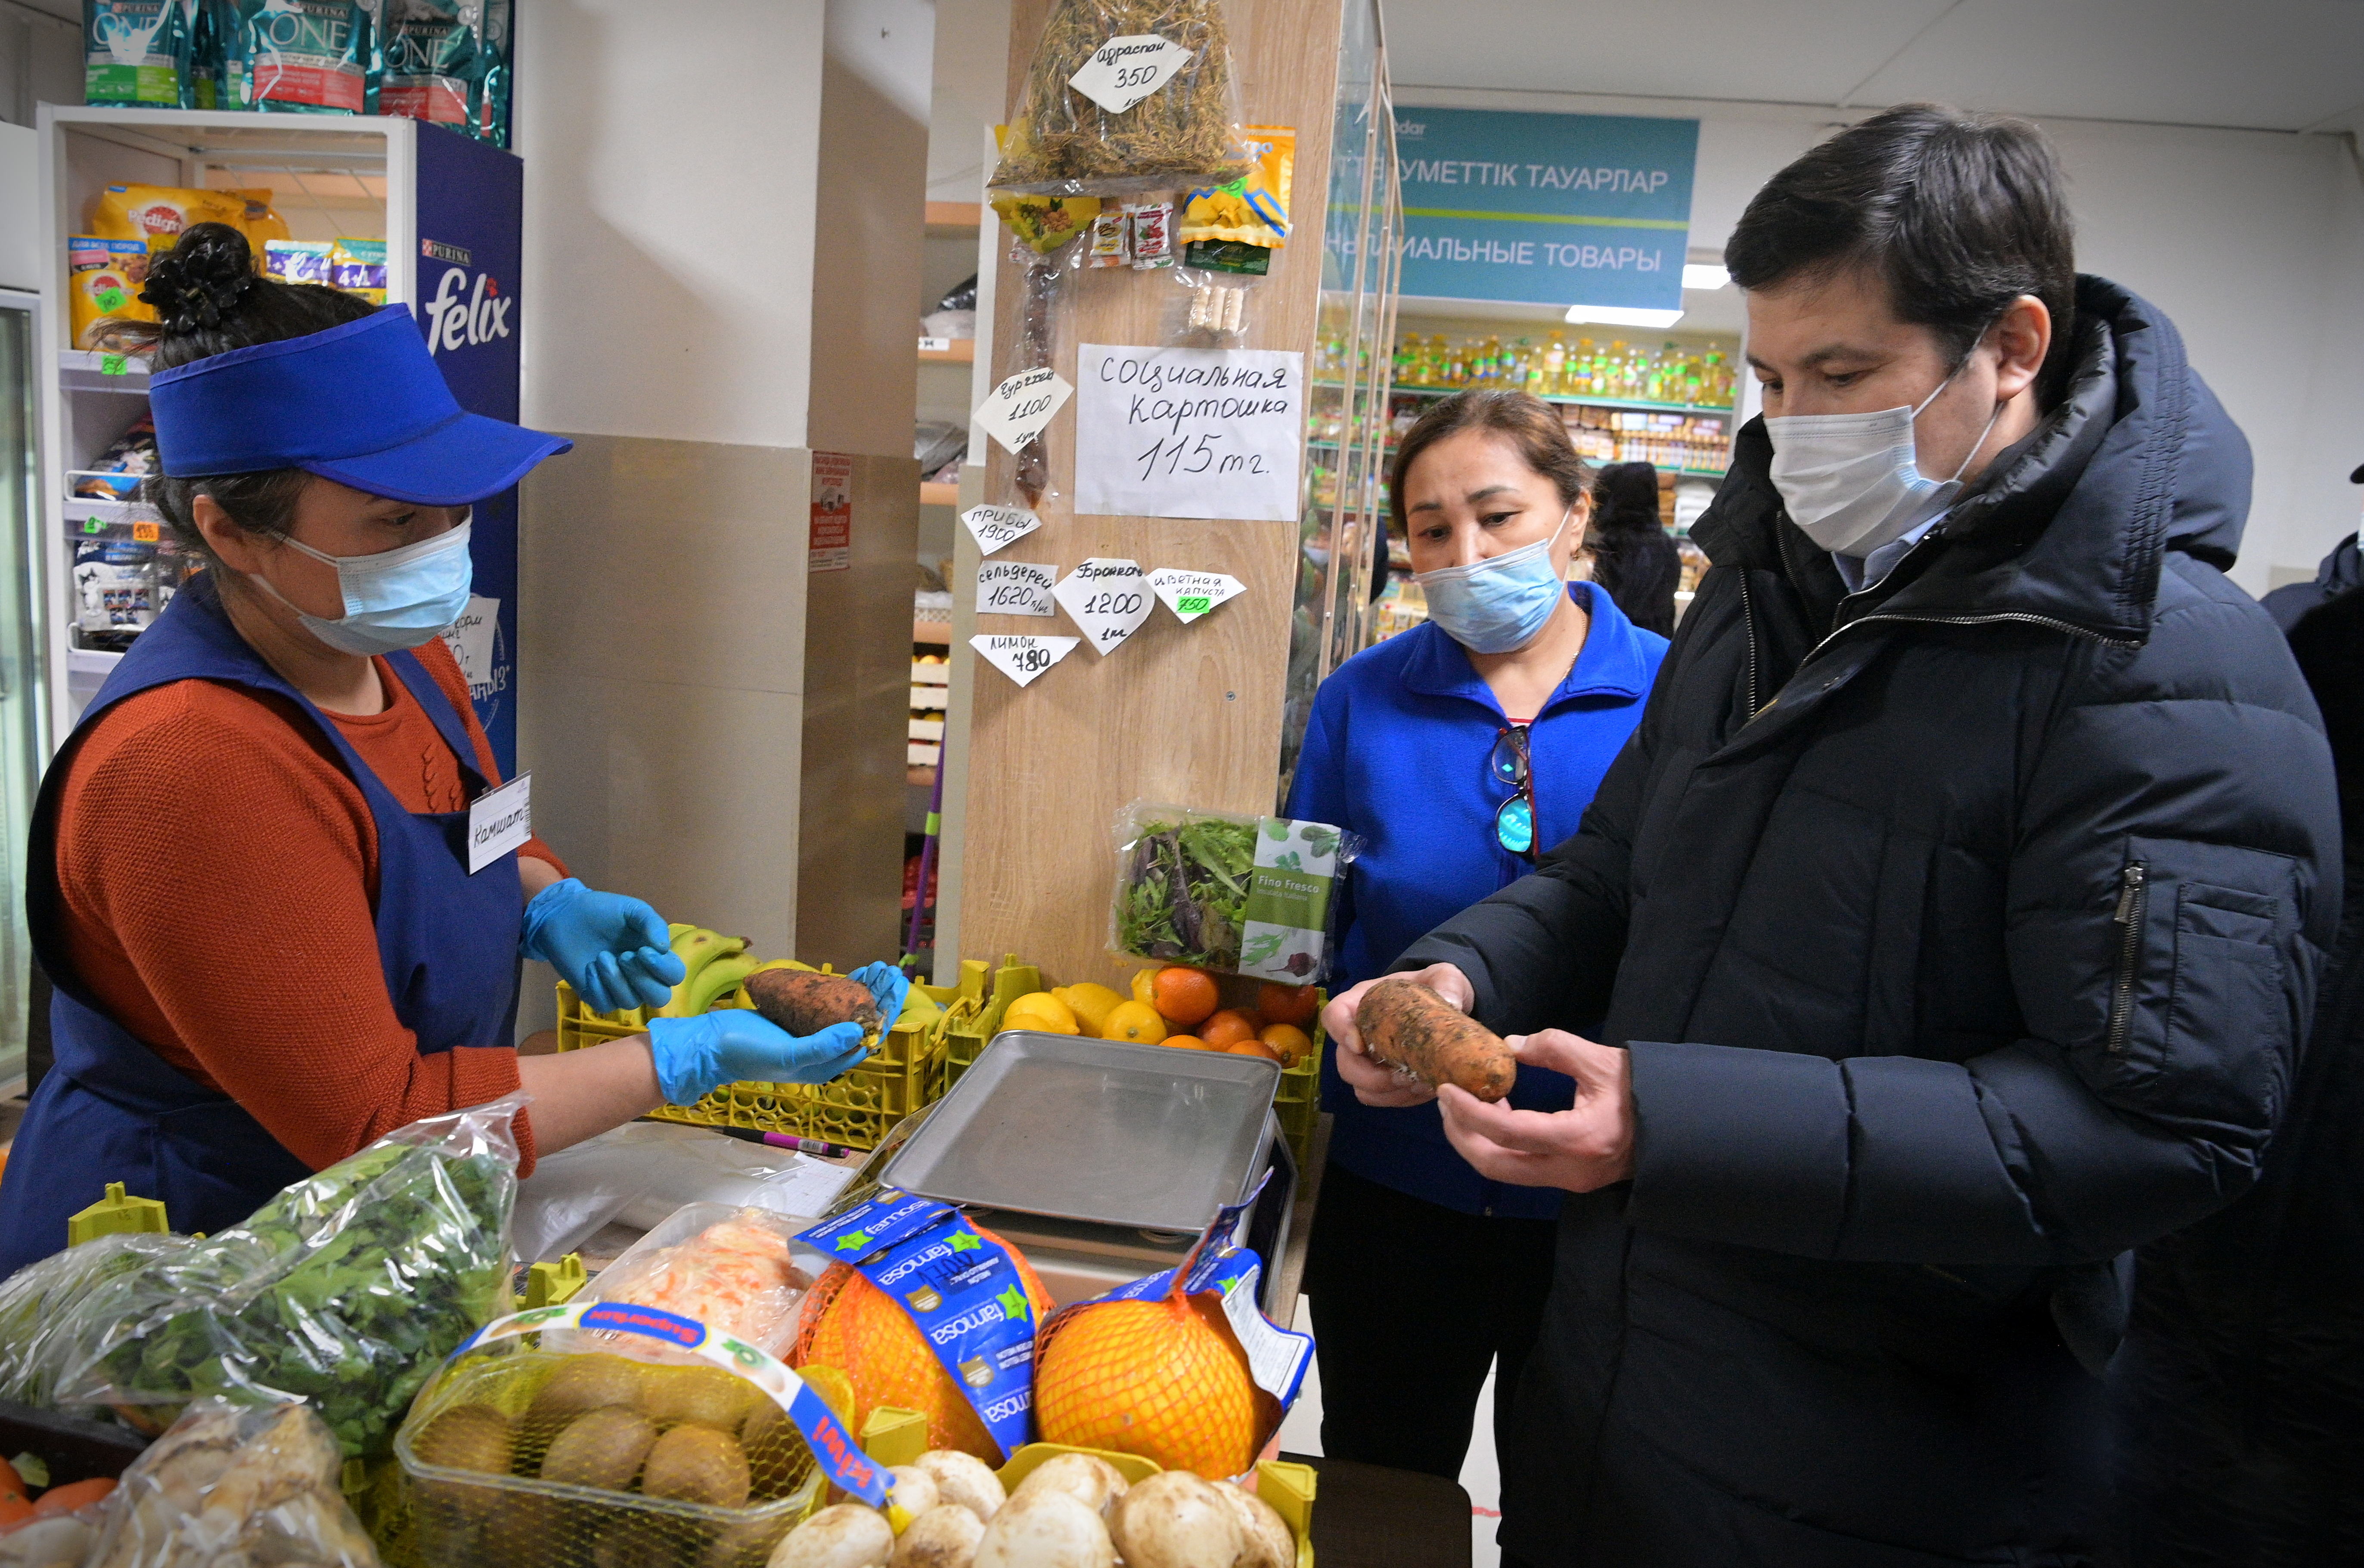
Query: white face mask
(398,600)
(1854,481)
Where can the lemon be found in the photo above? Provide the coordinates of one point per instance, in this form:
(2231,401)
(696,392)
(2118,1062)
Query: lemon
(1135,1021)
(1144,987)
(1041,1010)
(1090,1003)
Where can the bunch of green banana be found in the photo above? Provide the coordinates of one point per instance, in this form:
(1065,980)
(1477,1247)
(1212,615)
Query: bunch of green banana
(716,964)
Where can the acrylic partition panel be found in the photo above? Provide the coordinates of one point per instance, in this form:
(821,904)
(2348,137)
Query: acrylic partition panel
(20,690)
(1342,539)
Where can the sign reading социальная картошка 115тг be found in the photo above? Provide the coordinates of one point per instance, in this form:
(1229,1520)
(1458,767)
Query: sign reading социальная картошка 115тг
(1546,209)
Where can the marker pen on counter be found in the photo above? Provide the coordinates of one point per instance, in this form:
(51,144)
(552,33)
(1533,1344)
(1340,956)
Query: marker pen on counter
(813,1146)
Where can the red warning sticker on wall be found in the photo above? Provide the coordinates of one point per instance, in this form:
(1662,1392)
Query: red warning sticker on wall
(832,513)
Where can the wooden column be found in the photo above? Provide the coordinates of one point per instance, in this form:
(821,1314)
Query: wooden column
(1188,715)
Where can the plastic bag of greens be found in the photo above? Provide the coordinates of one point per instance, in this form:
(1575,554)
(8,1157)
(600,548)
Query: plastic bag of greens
(346,1290)
(36,1326)
(233,1488)
(1125,97)
(1238,894)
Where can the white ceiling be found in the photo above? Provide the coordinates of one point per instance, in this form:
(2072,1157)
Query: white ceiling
(2266,64)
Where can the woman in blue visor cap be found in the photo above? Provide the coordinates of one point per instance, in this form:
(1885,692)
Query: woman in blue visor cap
(282,909)
(1462,751)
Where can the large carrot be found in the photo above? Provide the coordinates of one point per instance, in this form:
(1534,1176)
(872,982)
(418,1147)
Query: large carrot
(1404,1024)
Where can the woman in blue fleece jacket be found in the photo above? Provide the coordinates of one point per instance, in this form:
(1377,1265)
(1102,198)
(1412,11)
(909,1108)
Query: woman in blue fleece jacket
(1461,751)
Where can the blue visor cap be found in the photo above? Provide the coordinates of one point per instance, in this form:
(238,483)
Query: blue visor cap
(362,404)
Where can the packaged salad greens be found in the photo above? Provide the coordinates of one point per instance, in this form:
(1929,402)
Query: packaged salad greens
(1236,894)
(1123,97)
(346,1290)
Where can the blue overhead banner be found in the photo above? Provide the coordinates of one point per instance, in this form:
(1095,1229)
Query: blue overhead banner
(1546,209)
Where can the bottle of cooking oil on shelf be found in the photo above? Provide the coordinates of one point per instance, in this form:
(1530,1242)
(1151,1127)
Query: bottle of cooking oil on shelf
(1554,366)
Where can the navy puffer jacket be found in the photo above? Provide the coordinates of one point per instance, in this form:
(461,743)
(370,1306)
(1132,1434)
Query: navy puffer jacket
(1963,931)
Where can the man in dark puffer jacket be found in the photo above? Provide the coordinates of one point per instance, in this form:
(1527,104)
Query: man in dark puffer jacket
(2241,1388)
(1951,920)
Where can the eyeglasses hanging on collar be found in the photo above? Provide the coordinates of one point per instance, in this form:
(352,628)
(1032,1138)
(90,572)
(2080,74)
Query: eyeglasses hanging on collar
(1514,823)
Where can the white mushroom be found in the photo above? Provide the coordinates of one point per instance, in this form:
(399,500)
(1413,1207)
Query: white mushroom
(845,1536)
(1270,1542)
(962,1478)
(915,1490)
(1176,1519)
(1049,1530)
(1087,1478)
(943,1537)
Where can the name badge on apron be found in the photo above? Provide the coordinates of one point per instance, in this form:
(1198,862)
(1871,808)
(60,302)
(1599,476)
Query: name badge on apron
(500,820)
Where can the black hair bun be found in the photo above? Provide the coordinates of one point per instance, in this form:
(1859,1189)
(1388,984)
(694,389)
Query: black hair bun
(201,279)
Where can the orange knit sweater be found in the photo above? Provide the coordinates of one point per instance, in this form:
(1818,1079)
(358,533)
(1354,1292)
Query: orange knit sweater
(220,872)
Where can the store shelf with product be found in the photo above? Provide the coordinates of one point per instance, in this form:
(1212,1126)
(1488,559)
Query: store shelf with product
(120,184)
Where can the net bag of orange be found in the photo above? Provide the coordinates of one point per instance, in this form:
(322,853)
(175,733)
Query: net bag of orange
(1180,1368)
(927,1312)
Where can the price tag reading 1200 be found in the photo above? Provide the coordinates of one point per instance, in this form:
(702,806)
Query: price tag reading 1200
(1107,598)
(1022,658)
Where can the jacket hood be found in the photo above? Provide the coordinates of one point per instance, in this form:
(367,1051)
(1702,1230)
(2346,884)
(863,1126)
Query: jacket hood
(2070,525)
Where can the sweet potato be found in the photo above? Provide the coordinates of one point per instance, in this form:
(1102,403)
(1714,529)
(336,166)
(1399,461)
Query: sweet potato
(803,1003)
(1404,1024)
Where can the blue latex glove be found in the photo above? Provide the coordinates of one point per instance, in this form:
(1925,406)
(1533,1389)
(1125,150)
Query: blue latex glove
(889,986)
(613,949)
(731,1045)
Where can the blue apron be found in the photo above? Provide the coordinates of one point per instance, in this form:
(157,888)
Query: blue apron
(112,1110)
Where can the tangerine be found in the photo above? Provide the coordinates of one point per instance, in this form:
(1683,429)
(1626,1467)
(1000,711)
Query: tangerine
(1254,1048)
(1166,1380)
(1289,1004)
(1186,996)
(1289,1042)
(852,1325)
(1228,1028)
(1187,1040)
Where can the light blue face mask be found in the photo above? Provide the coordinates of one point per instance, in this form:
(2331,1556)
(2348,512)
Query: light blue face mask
(392,600)
(1499,603)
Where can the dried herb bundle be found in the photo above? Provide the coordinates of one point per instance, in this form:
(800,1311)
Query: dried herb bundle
(1185,131)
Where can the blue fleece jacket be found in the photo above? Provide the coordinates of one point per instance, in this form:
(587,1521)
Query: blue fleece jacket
(1397,750)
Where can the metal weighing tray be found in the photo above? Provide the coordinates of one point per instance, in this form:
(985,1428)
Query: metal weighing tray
(1152,1136)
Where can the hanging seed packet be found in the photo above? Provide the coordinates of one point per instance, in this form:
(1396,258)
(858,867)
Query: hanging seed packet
(135,53)
(1124,98)
(493,90)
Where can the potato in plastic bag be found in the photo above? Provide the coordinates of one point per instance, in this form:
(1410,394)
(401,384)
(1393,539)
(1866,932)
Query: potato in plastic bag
(226,1488)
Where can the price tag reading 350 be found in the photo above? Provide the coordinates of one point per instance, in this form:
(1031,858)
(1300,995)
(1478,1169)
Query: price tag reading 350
(1022,658)
(1015,412)
(1124,71)
(1107,598)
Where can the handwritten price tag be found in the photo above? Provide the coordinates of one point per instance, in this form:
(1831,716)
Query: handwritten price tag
(1124,71)
(1015,412)
(1014,588)
(1189,432)
(1022,658)
(146,533)
(1107,598)
(1190,594)
(996,526)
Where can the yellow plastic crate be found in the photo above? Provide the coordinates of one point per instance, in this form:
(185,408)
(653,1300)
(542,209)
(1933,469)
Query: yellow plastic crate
(903,1073)
(971,1021)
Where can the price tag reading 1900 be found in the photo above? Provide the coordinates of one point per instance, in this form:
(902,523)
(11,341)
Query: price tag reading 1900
(996,526)
(1022,658)
(1107,598)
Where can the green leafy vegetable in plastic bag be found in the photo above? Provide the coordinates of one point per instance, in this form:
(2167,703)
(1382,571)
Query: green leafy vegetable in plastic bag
(347,1290)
